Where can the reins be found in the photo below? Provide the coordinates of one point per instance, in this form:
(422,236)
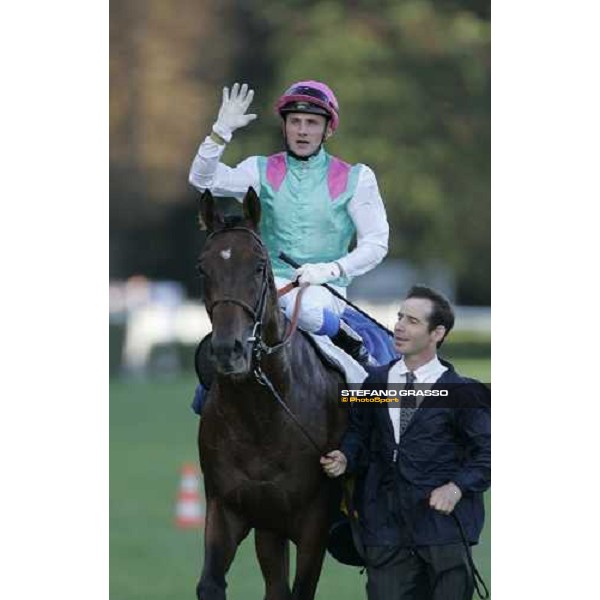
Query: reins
(476,576)
(263,378)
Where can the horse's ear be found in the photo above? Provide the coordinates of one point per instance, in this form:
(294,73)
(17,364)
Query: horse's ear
(209,216)
(251,208)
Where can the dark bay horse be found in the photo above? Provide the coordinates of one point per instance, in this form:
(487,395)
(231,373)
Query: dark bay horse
(260,470)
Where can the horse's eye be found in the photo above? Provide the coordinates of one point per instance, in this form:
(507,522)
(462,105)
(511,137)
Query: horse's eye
(260,267)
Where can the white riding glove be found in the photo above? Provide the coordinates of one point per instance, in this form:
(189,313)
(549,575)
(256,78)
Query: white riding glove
(318,273)
(232,114)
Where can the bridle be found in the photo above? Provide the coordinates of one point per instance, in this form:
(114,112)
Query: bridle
(259,347)
(256,313)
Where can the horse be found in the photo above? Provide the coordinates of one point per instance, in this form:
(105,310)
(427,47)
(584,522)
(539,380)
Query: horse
(260,454)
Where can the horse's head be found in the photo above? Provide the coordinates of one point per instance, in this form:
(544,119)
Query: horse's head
(238,282)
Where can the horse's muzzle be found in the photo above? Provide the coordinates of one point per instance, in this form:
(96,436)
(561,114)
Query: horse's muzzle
(230,357)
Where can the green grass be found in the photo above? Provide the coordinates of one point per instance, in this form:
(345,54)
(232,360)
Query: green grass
(152,433)
(477,368)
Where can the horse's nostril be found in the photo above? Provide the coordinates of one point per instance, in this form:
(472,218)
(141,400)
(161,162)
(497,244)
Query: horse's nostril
(221,351)
(238,349)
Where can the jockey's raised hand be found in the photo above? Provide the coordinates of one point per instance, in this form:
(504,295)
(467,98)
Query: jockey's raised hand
(232,114)
(317,273)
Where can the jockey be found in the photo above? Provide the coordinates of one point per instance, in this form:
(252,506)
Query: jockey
(312,203)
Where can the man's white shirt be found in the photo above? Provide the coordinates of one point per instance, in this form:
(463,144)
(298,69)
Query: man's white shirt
(428,373)
(366,207)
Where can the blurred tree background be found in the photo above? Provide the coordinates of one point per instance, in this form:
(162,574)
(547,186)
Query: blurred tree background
(413,81)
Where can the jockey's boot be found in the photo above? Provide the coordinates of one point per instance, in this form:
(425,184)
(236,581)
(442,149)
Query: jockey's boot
(350,342)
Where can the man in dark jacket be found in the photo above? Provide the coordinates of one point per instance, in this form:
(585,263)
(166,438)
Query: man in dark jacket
(422,470)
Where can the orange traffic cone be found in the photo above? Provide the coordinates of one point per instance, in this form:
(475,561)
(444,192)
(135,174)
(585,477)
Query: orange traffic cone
(189,513)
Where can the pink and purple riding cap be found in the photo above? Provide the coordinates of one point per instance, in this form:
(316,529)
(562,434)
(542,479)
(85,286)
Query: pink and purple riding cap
(314,94)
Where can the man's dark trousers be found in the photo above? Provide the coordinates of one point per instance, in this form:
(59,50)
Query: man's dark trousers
(426,573)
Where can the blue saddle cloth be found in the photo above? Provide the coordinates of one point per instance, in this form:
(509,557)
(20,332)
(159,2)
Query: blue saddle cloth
(378,342)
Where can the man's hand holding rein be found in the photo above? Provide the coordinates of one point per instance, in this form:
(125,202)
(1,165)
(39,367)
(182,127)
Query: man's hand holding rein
(445,498)
(334,463)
